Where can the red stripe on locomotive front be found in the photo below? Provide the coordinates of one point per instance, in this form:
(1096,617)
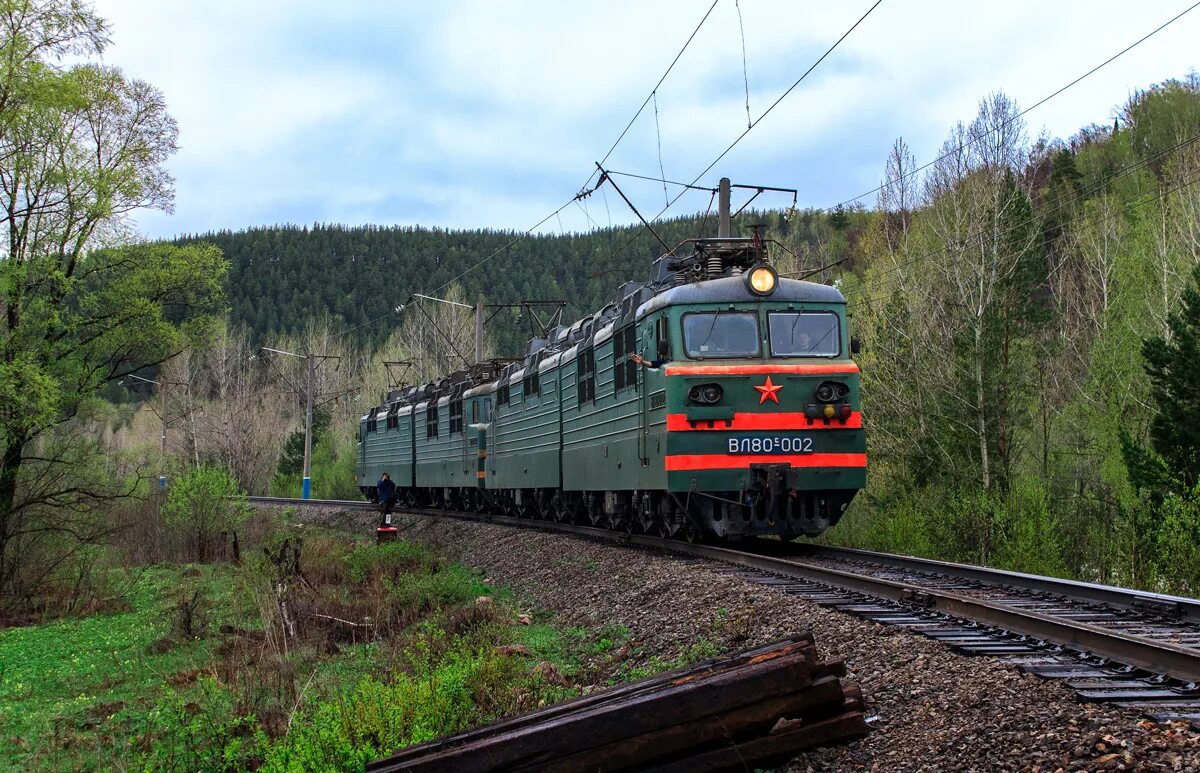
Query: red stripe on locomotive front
(815,369)
(679,422)
(737,461)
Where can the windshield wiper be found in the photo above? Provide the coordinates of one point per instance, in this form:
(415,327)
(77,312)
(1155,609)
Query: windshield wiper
(793,333)
(711,328)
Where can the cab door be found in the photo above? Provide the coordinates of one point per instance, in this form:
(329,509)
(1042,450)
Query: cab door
(475,461)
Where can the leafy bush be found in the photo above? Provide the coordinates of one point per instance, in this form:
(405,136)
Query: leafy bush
(1178,538)
(466,687)
(202,734)
(204,503)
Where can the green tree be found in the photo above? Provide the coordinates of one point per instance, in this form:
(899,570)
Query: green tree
(81,147)
(1173,365)
(291,460)
(204,503)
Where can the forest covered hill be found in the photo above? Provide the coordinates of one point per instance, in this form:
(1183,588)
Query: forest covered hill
(281,277)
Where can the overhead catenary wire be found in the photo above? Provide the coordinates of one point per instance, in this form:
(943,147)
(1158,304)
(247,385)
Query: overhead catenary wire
(658,137)
(1057,92)
(1024,112)
(876,288)
(692,186)
(871,300)
(745,72)
(557,211)
(649,96)
(1062,202)
(773,105)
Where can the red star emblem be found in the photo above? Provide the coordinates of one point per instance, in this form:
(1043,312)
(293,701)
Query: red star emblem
(768,391)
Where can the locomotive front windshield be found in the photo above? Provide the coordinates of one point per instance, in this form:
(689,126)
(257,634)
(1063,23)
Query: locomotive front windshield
(810,334)
(720,334)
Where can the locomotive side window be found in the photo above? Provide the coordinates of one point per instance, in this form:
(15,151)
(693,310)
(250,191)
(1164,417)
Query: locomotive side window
(631,368)
(720,334)
(371,423)
(810,334)
(585,375)
(531,384)
(624,369)
(431,420)
(456,417)
(502,395)
(619,355)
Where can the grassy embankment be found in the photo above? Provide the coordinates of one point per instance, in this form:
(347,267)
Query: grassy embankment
(392,646)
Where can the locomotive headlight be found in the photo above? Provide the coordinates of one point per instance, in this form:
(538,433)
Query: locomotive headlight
(831,391)
(705,394)
(762,280)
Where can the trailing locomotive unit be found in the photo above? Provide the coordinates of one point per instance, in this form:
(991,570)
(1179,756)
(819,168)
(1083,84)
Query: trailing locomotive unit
(744,421)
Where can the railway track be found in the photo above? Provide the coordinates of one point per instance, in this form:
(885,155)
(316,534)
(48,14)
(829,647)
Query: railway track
(1133,649)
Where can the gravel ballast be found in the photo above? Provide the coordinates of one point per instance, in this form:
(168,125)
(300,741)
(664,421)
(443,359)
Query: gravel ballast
(929,708)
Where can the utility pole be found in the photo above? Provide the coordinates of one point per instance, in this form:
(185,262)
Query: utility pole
(478,332)
(162,447)
(313,361)
(306,485)
(723,209)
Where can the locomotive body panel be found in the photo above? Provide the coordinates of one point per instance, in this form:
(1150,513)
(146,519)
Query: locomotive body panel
(387,447)
(525,437)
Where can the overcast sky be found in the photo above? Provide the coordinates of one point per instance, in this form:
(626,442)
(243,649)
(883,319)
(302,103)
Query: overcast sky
(490,114)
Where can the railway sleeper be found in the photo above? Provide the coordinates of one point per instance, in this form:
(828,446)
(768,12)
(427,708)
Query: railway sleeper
(1093,678)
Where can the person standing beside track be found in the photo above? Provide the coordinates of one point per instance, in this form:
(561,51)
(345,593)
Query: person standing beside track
(386,490)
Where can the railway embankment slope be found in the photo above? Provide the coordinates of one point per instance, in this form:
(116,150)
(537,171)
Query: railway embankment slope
(930,708)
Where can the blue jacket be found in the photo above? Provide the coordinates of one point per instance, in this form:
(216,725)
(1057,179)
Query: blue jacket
(386,489)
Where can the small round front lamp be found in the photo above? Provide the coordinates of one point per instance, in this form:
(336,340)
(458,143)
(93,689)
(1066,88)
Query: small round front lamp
(762,280)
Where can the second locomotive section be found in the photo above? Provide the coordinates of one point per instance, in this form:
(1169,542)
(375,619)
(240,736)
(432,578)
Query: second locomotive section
(744,418)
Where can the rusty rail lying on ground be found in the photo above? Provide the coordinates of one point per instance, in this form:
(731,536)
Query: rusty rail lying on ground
(750,710)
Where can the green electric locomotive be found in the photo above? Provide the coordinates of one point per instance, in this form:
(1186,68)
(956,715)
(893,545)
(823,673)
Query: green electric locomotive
(718,399)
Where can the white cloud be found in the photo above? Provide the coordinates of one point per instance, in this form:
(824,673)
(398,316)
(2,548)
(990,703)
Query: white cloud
(474,113)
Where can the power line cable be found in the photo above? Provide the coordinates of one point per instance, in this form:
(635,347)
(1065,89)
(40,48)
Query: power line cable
(658,136)
(1029,109)
(645,102)
(1063,202)
(773,105)
(745,73)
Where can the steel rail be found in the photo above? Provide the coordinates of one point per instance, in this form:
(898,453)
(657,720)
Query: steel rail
(1142,652)
(1180,607)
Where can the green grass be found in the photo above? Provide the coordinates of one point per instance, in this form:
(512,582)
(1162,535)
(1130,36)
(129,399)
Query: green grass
(127,691)
(73,680)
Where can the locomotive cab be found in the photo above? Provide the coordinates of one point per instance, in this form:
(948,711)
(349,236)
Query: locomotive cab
(762,414)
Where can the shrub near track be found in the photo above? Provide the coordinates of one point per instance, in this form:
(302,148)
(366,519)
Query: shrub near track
(392,646)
